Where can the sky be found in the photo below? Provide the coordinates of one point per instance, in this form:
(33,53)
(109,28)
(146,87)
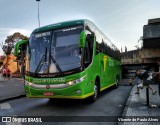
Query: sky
(121,21)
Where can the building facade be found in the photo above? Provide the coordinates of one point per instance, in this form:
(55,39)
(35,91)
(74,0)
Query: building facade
(146,57)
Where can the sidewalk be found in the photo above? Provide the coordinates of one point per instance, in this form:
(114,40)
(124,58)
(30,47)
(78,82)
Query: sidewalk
(10,89)
(135,106)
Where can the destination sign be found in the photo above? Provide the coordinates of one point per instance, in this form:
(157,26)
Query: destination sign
(42,34)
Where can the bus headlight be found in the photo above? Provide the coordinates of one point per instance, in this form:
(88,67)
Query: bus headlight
(28,83)
(70,83)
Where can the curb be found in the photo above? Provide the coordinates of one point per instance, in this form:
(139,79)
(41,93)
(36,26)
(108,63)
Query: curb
(128,102)
(12,98)
(126,106)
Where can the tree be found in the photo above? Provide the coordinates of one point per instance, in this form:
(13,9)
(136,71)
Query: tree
(10,42)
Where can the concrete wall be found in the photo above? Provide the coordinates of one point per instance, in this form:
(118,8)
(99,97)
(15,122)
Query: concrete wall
(140,56)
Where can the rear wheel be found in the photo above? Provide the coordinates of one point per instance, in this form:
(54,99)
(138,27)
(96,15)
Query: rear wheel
(117,82)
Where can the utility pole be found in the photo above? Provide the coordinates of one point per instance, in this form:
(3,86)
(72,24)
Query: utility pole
(38,13)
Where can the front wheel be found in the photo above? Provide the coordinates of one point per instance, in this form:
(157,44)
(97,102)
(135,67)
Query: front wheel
(94,97)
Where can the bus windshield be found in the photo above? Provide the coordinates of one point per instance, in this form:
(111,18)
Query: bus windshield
(55,51)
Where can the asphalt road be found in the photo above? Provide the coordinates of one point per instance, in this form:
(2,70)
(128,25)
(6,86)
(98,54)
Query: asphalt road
(11,88)
(110,103)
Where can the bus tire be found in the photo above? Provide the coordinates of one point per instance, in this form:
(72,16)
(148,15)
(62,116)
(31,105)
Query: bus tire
(94,97)
(117,82)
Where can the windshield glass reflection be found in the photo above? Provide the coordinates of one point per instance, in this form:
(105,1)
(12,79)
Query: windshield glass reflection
(54,52)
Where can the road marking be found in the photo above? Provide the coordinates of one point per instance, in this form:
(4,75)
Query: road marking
(8,107)
(5,106)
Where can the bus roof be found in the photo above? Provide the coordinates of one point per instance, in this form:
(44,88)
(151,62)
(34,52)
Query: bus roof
(60,25)
(70,23)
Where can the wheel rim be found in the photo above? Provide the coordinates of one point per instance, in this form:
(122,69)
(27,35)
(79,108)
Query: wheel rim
(95,91)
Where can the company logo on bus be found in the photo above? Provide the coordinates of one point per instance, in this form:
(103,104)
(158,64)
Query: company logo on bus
(49,80)
(47,86)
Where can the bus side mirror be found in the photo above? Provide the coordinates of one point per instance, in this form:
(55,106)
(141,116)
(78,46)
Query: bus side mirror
(82,39)
(19,45)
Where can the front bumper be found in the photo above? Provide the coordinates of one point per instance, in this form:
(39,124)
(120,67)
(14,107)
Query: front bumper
(75,91)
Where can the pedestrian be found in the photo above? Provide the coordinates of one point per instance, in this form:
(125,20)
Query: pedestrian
(8,73)
(130,82)
(139,85)
(1,71)
(4,72)
(158,73)
(144,78)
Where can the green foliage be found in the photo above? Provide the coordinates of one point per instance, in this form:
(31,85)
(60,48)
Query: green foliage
(11,40)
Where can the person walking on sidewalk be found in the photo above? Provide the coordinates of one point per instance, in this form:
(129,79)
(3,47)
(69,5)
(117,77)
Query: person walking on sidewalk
(146,78)
(158,73)
(4,72)
(1,71)
(140,83)
(8,73)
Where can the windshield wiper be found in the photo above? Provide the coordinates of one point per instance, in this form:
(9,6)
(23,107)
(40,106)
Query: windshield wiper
(56,64)
(54,61)
(43,59)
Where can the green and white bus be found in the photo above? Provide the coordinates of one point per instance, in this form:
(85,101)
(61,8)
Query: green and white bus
(72,60)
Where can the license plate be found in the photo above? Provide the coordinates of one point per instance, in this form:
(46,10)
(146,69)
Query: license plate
(48,94)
